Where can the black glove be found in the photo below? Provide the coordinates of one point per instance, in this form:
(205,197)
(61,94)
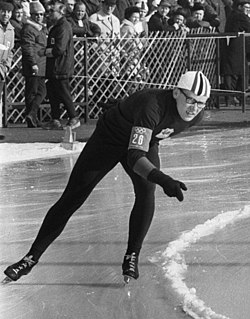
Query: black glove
(171,187)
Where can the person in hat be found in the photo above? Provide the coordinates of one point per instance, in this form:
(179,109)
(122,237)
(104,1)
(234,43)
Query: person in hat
(159,20)
(232,51)
(7,40)
(33,39)
(210,13)
(128,133)
(59,68)
(106,20)
(196,20)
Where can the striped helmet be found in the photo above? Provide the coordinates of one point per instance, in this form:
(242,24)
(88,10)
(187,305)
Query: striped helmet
(196,82)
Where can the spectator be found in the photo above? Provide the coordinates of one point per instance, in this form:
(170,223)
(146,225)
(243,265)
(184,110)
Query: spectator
(197,17)
(187,6)
(81,26)
(17,22)
(7,39)
(33,40)
(69,4)
(107,21)
(238,21)
(60,68)
(106,57)
(132,17)
(142,26)
(159,20)
(177,21)
(131,64)
(210,13)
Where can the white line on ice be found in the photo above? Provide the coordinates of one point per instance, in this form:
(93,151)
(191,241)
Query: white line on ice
(175,267)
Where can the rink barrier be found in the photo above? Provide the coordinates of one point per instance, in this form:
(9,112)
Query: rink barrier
(115,68)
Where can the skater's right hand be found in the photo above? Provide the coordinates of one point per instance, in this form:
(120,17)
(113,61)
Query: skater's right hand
(171,187)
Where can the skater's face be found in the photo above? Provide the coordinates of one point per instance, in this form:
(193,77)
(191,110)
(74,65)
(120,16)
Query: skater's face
(188,104)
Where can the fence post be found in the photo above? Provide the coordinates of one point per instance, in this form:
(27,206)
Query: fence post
(243,94)
(3,107)
(188,54)
(86,89)
(217,61)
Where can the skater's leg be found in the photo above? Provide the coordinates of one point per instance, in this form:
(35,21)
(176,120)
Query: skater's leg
(143,210)
(95,161)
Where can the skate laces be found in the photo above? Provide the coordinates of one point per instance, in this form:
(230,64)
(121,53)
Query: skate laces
(26,262)
(132,261)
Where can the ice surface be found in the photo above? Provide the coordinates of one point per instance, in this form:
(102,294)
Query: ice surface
(203,255)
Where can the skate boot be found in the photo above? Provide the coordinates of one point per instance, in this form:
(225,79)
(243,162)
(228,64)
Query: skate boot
(19,269)
(130,267)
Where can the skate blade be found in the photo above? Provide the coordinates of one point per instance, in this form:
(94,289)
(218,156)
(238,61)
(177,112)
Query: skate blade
(6,281)
(127,279)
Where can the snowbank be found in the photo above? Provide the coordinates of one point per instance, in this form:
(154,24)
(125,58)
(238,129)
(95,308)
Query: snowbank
(10,153)
(173,263)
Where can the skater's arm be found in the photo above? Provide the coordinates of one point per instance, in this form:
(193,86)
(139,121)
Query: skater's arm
(171,187)
(143,167)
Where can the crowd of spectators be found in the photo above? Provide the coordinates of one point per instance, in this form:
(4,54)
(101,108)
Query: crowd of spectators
(110,19)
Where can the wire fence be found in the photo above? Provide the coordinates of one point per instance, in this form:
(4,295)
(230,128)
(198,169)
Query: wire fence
(115,68)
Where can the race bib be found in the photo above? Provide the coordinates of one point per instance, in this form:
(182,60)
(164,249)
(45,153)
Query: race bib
(140,138)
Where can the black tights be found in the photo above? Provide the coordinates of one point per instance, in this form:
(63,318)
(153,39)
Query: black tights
(96,160)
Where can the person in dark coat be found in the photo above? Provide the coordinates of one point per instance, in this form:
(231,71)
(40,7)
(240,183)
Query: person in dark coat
(81,26)
(238,21)
(210,12)
(60,68)
(33,39)
(196,20)
(159,20)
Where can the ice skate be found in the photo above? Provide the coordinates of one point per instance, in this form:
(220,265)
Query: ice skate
(130,267)
(19,269)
